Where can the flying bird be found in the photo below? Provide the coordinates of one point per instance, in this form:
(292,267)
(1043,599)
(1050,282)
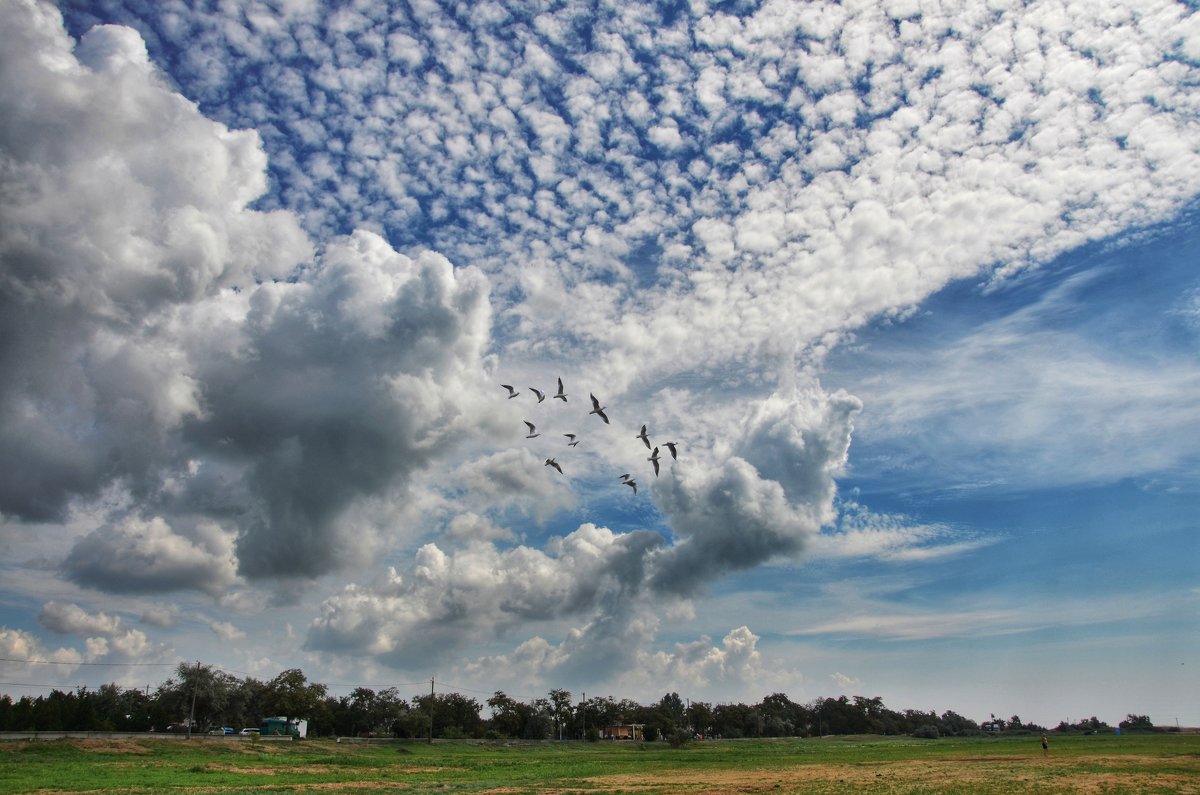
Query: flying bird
(512,393)
(625,476)
(561,394)
(644,437)
(573,441)
(597,409)
(671,446)
(631,484)
(532,430)
(550,462)
(540,394)
(654,460)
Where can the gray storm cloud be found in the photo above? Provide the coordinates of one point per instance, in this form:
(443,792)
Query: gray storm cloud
(342,384)
(151,344)
(122,205)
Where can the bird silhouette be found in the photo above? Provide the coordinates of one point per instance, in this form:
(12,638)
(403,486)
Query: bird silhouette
(512,393)
(631,484)
(597,409)
(671,446)
(561,394)
(573,441)
(532,430)
(644,437)
(550,462)
(540,394)
(654,460)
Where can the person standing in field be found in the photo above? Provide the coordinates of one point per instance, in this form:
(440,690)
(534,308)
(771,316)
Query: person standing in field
(1045,746)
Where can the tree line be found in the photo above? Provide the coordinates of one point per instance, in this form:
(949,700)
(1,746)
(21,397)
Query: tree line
(204,698)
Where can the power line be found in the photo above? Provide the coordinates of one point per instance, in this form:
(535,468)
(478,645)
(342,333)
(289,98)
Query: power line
(63,662)
(377,687)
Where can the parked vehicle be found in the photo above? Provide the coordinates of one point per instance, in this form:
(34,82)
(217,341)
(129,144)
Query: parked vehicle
(249,731)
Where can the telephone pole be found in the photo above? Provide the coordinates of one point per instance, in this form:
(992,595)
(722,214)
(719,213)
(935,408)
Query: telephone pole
(192,715)
(431,710)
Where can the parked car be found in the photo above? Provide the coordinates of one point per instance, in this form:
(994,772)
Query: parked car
(221,730)
(249,731)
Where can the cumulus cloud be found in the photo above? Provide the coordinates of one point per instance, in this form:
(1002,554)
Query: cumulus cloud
(67,618)
(97,385)
(446,599)
(151,344)
(17,646)
(340,386)
(148,556)
(766,500)
(226,631)
(700,663)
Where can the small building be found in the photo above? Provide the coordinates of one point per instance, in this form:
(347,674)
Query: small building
(623,731)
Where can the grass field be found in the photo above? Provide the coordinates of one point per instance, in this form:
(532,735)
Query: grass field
(1080,764)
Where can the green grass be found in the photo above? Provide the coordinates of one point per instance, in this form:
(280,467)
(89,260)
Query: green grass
(1102,763)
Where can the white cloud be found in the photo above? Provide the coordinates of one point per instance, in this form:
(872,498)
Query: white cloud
(18,646)
(226,631)
(861,533)
(68,618)
(446,599)
(1032,403)
(148,556)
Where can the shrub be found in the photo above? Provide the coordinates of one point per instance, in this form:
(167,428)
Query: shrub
(679,739)
(926,732)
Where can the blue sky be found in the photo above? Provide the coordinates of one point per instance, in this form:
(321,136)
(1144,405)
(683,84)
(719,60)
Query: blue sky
(911,285)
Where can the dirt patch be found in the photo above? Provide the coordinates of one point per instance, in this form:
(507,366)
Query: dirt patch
(96,745)
(315,770)
(982,774)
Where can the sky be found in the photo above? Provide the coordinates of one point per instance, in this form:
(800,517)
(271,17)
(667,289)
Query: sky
(911,286)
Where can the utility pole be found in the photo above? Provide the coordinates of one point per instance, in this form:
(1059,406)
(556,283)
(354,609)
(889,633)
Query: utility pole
(195,686)
(584,714)
(431,710)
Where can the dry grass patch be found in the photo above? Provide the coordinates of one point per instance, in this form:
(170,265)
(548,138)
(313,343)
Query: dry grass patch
(978,774)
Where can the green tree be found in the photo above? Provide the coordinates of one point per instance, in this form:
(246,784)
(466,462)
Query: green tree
(700,717)
(290,695)
(560,709)
(1136,723)
(508,715)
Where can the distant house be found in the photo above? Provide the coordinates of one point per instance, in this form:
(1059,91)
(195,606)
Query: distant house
(623,731)
(993,726)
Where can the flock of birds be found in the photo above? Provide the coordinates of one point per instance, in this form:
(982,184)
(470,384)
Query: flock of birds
(573,439)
